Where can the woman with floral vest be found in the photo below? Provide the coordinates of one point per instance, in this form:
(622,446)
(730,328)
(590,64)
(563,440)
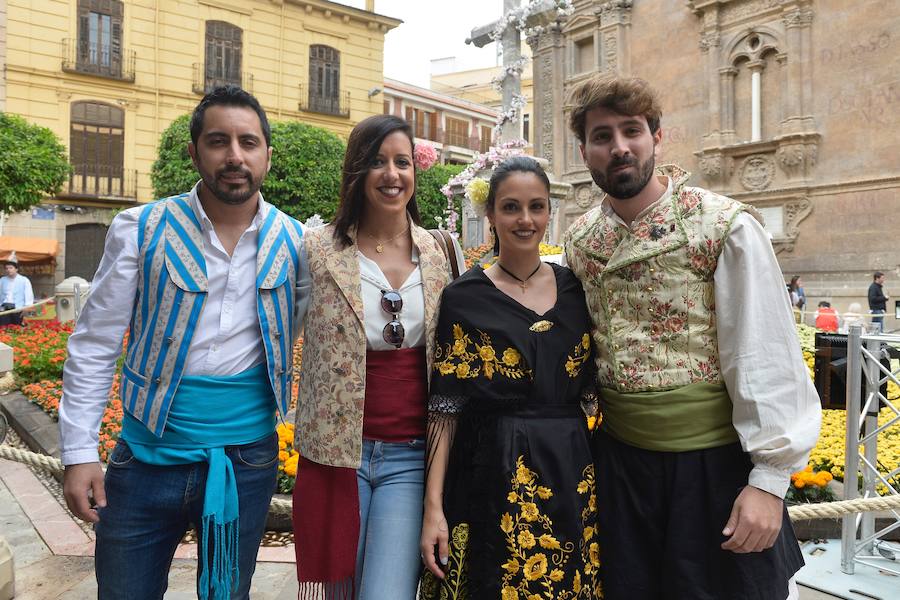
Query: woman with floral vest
(377,277)
(510,509)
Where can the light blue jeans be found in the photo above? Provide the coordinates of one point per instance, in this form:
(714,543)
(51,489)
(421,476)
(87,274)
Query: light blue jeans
(391,481)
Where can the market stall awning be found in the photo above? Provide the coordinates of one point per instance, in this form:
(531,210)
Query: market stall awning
(28,250)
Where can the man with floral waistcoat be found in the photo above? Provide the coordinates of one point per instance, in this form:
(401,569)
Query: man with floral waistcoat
(211,287)
(707,405)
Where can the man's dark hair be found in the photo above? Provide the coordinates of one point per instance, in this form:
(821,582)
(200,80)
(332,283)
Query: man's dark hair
(877,275)
(228,95)
(824,304)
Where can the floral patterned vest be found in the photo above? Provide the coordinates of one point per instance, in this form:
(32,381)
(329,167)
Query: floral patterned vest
(650,289)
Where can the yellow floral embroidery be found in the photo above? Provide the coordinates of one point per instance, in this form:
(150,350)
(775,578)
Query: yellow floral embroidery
(536,556)
(467,359)
(453,586)
(579,356)
(590,549)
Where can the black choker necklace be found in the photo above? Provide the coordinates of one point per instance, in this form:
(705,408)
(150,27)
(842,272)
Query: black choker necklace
(522,282)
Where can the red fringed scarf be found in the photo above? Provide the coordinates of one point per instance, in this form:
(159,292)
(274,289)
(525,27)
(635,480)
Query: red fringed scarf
(326,499)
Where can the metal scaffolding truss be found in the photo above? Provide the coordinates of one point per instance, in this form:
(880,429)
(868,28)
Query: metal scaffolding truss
(860,542)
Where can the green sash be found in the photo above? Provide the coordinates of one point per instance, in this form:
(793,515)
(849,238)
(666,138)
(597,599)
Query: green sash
(692,417)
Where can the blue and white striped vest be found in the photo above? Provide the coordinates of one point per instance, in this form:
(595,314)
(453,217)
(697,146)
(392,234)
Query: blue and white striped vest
(172,288)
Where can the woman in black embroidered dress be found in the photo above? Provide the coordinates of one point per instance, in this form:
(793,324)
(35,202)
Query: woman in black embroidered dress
(510,510)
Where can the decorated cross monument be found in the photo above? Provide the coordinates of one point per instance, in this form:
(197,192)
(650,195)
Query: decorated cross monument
(530,20)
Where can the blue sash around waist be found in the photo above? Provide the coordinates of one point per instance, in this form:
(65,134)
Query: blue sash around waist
(209,413)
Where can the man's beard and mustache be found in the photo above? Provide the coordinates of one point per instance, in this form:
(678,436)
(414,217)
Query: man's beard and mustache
(229,193)
(626,184)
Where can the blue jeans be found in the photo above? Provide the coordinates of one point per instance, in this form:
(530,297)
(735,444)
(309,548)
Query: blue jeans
(878,322)
(149,508)
(391,481)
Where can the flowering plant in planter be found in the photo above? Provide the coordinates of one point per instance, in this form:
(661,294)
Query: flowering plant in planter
(810,486)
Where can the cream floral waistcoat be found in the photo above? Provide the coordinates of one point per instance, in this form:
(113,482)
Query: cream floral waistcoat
(650,289)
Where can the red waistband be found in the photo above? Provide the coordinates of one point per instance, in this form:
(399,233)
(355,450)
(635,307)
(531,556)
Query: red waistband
(396,390)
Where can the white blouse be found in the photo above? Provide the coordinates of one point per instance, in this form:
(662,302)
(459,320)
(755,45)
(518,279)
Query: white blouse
(412,314)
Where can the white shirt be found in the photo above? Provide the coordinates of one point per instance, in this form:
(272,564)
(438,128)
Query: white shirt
(226,341)
(17,290)
(776,410)
(412,314)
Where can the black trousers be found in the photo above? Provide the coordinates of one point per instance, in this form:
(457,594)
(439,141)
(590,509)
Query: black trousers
(10,319)
(661,516)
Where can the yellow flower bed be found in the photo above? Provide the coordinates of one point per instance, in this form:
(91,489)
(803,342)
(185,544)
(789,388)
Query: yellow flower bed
(828,455)
(287,458)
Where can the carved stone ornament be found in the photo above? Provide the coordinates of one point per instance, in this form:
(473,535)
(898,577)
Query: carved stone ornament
(712,166)
(757,172)
(612,53)
(547,107)
(794,212)
(797,160)
(586,195)
(708,40)
(798,18)
(614,12)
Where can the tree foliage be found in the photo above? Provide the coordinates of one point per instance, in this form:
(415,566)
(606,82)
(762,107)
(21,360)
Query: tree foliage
(173,172)
(306,170)
(432,202)
(306,167)
(33,163)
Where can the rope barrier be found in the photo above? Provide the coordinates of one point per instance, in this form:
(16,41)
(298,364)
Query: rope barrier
(24,308)
(801,512)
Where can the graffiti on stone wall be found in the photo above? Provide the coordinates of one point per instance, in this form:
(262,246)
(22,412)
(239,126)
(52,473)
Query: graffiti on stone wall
(856,51)
(873,103)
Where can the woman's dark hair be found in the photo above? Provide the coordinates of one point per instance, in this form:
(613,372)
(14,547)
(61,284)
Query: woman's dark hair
(362,148)
(794,280)
(515,164)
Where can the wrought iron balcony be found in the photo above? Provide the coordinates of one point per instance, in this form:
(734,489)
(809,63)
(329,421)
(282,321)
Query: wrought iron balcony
(338,105)
(206,80)
(79,56)
(101,181)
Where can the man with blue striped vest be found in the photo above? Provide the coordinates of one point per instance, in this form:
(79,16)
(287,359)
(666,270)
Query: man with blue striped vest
(211,286)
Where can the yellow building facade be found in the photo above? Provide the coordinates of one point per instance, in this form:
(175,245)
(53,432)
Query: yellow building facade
(108,76)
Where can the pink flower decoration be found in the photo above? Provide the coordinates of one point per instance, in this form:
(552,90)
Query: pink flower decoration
(424,156)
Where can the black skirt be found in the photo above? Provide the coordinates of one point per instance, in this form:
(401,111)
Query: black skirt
(661,516)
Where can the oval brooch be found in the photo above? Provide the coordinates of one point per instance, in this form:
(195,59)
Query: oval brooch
(541,326)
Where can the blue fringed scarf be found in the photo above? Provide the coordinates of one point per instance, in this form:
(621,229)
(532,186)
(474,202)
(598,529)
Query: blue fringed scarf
(209,413)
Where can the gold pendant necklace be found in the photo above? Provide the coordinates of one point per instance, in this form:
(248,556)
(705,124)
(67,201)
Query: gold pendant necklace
(379,244)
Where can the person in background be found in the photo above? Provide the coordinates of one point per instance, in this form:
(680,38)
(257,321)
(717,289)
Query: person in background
(878,301)
(827,318)
(15,292)
(368,346)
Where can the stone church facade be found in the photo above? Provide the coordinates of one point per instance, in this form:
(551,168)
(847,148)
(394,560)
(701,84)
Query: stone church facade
(789,105)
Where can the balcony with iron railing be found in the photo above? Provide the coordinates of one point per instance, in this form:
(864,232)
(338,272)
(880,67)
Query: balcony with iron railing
(337,105)
(93,181)
(97,59)
(206,80)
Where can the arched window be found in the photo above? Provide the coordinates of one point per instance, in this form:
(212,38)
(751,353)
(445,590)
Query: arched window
(223,54)
(324,79)
(99,48)
(755,87)
(97,149)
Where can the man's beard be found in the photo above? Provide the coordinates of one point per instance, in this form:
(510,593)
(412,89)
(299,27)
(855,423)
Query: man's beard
(224,192)
(625,185)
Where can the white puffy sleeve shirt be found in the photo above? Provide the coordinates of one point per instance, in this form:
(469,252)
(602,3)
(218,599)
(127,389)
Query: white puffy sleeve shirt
(776,411)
